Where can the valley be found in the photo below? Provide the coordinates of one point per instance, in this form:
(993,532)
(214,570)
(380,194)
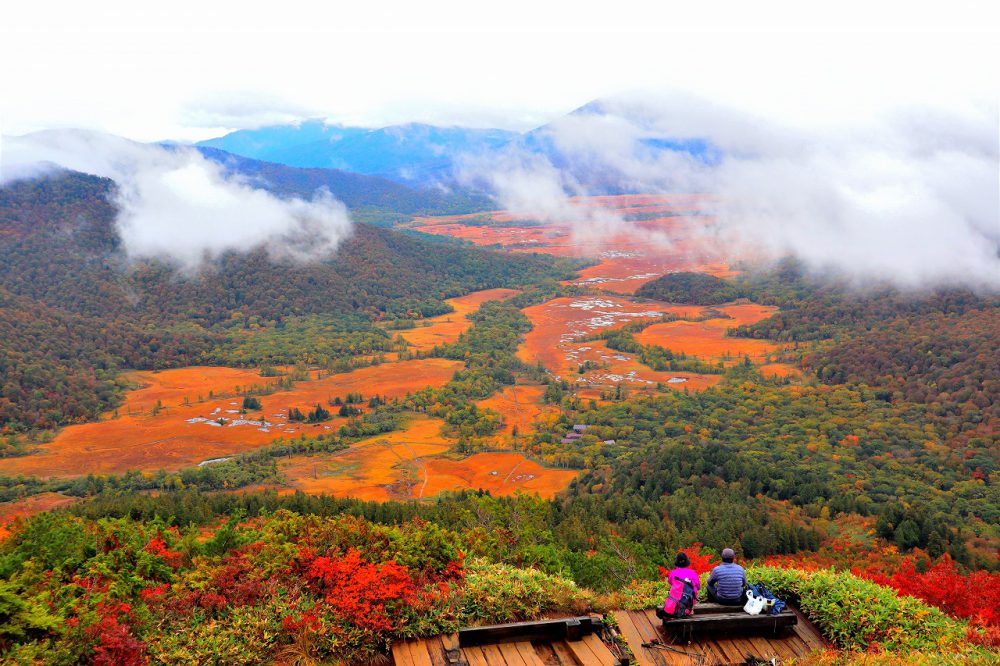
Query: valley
(582,396)
(185,417)
(364,335)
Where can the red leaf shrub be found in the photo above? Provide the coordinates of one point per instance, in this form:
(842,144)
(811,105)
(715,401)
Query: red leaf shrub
(306,622)
(115,644)
(239,580)
(975,596)
(157,546)
(702,563)
(359,591)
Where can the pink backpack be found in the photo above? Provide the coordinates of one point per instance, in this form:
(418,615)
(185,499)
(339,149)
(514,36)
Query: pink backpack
(680,599)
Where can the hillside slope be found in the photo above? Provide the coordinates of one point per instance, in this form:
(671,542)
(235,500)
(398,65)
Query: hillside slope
(355,190)
(62,262)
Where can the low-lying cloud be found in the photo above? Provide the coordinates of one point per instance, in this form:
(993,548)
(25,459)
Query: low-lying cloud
(177,205)
(912,198)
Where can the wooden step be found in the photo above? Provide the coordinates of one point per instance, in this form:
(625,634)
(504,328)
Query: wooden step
(570,628)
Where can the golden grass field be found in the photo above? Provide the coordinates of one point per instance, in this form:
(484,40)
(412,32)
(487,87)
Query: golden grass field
(410,464)
(446,328)
(168,440)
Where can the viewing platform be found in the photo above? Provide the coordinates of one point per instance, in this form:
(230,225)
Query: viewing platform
(589,641)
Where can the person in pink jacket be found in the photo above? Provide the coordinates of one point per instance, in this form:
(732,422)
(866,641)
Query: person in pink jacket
(681,601)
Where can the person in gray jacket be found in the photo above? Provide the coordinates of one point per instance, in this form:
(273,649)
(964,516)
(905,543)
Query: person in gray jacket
(727,581)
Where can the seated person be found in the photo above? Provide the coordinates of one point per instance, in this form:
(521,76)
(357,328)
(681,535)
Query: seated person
(727,581)
(677,603)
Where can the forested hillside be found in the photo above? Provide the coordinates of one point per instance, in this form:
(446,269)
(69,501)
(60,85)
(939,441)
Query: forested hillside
(75,309)
(932,351)
(689,288)
(360,193)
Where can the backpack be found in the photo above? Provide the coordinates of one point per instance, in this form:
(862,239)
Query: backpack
(680,599)
(770,604)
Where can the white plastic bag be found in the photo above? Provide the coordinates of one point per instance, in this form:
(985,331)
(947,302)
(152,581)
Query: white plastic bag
(754,604)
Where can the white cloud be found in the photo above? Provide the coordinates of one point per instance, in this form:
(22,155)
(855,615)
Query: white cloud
(175,204)
(143,74)
(911,197)
(243,109)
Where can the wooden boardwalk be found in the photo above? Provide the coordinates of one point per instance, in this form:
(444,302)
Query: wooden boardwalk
(444,651)
(633,627)
(638,627)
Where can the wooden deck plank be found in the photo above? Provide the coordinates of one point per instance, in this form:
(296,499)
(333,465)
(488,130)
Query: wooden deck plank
(633,637)
(400,654)
(808,632)
(561,648)
(475,657)
(713,654)
(726,648)
(693,653)
(584,653)
(435,647)
(635,627)
(493,654)
(765,648)
(744,647)
(648,625)
(528,654)
(801,647)
(581,651)
(419,652)
(511,654)
(600,649)
(650,628)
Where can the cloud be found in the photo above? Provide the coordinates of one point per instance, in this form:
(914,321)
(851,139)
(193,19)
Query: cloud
(911,197)
(529,186)
(175,204)
(243,110)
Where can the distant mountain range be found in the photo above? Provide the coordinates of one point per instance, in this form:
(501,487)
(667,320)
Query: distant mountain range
(422,155)
(410,153)
(359,192)
(371,198)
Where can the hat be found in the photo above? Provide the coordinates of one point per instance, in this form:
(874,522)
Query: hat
(728,554)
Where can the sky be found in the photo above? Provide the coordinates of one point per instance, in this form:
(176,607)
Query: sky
(191,70)
(859,136)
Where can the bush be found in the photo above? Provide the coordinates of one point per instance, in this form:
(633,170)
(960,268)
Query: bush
(857,614)
(501,593)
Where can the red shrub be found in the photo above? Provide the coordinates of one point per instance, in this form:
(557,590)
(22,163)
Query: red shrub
(157,546)
(155,592)
(308,621)
(239,580)
(359,591)
(985,636)
(702,563)
(975,596)
(211,601)
(115,644)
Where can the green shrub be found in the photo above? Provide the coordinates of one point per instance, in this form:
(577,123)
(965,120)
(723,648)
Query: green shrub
(502,593)
(857,614)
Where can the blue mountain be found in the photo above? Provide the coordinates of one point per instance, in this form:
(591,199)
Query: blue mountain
(359,192)
(411,153)
(420,155)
